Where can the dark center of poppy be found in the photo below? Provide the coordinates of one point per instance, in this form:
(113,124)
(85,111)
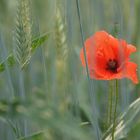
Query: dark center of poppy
(112,65)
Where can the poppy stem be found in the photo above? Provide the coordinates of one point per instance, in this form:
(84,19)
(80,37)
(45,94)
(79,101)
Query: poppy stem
(110,102)
(115,109)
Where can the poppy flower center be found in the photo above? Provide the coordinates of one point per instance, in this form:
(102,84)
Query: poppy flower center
(112,65)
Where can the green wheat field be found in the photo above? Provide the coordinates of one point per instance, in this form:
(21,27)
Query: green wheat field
(45,93)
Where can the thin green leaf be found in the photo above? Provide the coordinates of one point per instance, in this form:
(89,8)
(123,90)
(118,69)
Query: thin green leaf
(36,136)
(126,121)
(39,41)
(10,61)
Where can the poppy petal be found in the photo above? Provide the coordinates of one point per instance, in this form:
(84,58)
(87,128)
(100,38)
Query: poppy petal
(101,40)
(95,75)
(130,49)
(131,69)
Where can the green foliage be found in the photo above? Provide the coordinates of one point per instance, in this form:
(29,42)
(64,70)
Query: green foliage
(9,108)
(57,104)
(37,136)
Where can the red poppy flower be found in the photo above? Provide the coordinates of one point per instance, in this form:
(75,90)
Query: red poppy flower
(108,57)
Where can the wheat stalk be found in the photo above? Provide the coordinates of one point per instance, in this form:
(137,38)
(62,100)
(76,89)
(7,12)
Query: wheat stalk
(23,37)
(60,35)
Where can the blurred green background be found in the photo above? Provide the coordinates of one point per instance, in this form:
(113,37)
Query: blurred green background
(49,99)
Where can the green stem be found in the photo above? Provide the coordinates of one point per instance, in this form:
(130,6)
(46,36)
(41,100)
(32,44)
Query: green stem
(115,109)
(110,102)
